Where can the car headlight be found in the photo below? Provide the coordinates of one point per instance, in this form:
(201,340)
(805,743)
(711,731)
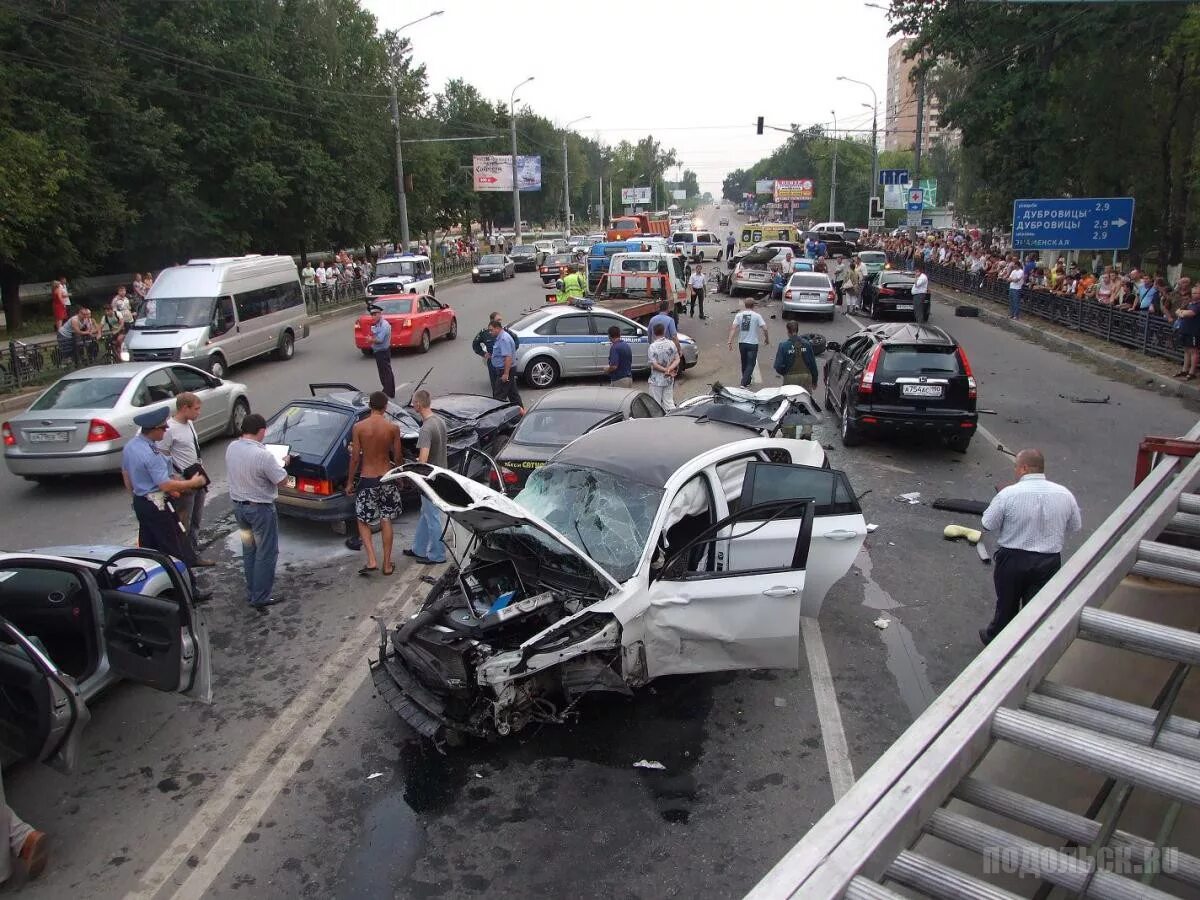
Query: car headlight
(190,347)
(124,355)
(475,271)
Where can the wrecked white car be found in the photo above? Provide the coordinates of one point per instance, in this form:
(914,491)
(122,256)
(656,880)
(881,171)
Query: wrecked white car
(768,410)
(651,547)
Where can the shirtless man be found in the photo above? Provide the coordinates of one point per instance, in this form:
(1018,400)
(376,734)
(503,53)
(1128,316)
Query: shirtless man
(374,448)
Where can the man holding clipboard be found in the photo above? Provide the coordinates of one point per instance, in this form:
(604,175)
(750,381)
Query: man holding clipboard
(255,473)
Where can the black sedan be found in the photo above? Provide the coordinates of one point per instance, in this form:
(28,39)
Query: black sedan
(493,267)
(556,266)
(317,429)
(888,292)
(560,416)
(524,257)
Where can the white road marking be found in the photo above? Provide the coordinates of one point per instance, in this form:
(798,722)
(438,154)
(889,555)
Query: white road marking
(833,735)
(317,705)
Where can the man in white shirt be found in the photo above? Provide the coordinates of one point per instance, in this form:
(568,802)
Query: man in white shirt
(1016,281)
(181,443)
(920,294)
(1031,519)
(697,283)
(748,326)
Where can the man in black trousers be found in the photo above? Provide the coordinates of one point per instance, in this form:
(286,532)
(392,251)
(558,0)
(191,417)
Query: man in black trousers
(1031,519)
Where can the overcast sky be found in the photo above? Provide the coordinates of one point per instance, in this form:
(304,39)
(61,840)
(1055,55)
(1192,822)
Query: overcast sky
(639,67)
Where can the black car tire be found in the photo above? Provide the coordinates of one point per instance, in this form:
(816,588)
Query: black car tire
(818,343)
(966,312)
(720,254)
(287,347)
(216,366)
(474,279)
(453,332)
(425,341)
(542,372)
(851,435)
(960,442)
(237,416)
(367,351)
(829,404)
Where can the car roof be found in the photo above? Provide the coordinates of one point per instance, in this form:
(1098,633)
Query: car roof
(597,397)
(911,333)
(399,257)
(122,370)
(648,451)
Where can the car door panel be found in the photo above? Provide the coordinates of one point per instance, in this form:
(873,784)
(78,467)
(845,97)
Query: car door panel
(214,403)
(161,642)
(838,528)
(576,345)
(42,715)
(724,616)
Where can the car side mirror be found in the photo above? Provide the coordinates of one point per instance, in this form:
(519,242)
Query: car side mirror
(834,346)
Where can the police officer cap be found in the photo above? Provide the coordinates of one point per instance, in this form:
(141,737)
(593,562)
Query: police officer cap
(152,419)
(374,308)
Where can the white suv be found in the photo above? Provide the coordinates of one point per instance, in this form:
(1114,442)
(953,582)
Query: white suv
(408,273)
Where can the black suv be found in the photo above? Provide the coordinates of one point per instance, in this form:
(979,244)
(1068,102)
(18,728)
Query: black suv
(888,291)
(902,377)
(524,257)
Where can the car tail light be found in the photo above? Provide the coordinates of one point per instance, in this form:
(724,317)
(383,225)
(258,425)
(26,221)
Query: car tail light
(738,272)
(787,295)
(866,384)
(831,296)
(98,430)
(314,486)
(510,477)
(886,292)
(10,440)
(972,392)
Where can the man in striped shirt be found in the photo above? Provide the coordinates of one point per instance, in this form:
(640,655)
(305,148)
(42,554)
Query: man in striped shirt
(1031,519)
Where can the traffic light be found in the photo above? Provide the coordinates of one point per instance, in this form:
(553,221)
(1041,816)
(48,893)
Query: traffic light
(876,208)
(760,124)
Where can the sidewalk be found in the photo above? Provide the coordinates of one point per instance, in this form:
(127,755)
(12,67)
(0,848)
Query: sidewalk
(1144,371)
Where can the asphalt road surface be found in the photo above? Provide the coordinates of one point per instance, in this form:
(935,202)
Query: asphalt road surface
(298,781)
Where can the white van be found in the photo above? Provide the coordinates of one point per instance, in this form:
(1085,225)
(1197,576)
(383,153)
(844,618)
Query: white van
(406,273)
(636,274)
(215,313)
(707,244)
(829,227)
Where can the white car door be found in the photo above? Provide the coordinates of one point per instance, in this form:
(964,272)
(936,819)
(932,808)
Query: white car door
(838,529)
(706,613)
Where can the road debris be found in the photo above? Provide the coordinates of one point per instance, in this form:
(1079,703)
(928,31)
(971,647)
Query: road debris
(952,504)
(882,622)
(649,764)
(911,498)
(374,775)
(780,702)
(871,527)
(1075,399)
(958,532)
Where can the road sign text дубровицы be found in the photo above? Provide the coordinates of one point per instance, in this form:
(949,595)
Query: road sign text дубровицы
(1082,223)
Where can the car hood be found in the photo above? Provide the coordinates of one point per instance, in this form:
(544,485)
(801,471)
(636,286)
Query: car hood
(762,255)
(763,410)
(479,509)
(162,337)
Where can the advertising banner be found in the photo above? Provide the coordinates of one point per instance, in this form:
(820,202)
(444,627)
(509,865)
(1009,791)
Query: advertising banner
(635,195)
(678,195)
(494,172)
(929,187)
(764,186)
(793,189)
(895,196)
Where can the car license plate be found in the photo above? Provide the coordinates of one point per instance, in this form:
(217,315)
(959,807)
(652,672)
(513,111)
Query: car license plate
(921,390)
(291,481)
(908,306)
(810,296)
(47,437)
(527,464)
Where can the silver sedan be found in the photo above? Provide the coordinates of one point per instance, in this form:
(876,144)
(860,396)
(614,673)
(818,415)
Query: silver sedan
(80,424)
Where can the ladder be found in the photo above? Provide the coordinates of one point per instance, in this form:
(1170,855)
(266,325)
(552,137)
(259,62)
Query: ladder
(929,819)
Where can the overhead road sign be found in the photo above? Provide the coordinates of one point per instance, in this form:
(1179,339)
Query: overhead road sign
(1078,223)
(893,176)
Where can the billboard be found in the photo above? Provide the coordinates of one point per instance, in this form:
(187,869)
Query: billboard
(895,196)
(678,195)
(634,196)
(764,186)
(494,172)
(793,189)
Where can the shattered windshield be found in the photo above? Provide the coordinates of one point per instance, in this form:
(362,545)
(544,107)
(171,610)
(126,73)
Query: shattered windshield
(607,517)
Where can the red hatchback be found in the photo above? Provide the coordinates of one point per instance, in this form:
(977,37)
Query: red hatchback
(417,321)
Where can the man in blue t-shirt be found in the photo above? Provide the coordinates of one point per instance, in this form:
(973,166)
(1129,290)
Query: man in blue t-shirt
(504,365)
(620,360)
(822,249)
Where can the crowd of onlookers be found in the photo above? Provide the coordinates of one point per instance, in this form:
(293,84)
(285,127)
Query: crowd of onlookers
(325,281)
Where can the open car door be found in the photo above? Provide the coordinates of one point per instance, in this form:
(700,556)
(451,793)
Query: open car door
(42,716)
(709,612)
(161,642)
(838,528)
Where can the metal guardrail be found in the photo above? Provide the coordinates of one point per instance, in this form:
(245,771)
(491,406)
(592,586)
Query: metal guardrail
(1003,697)
(1149,334)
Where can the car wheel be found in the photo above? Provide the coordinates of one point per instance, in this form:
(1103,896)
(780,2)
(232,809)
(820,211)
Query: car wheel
(366,351)
(829,404)
(453,332)
(720,254)
(241,409)
(733,292)
(851,436)
(424,348)
(542,372)
(287,347)
(474,280)
(960,442)
(216,366)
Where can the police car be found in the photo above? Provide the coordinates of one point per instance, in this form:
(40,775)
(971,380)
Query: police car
(563,341)
(408,273)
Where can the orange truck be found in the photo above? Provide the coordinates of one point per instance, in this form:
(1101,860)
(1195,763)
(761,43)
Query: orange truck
(624,227)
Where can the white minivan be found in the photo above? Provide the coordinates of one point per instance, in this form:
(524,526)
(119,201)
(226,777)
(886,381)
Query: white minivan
(707,244)
(215,313)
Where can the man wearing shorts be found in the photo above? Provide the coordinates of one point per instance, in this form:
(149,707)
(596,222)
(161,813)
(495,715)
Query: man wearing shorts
(374,449)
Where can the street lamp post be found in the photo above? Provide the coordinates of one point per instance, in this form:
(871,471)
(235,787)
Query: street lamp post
(874,130)
(567,180)
(512,118)
(401,194)
(833,179)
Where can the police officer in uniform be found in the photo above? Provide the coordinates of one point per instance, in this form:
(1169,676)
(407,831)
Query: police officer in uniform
(147,474)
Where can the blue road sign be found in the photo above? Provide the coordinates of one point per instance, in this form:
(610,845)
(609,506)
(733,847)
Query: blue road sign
(1083,223)
(893,176)
(916,200)
(927,223)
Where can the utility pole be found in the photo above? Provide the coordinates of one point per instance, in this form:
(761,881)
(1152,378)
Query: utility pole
(567,180)
(401,196)
(874,106)
(600,197)
(516,185)
(920,127)
(833,178)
